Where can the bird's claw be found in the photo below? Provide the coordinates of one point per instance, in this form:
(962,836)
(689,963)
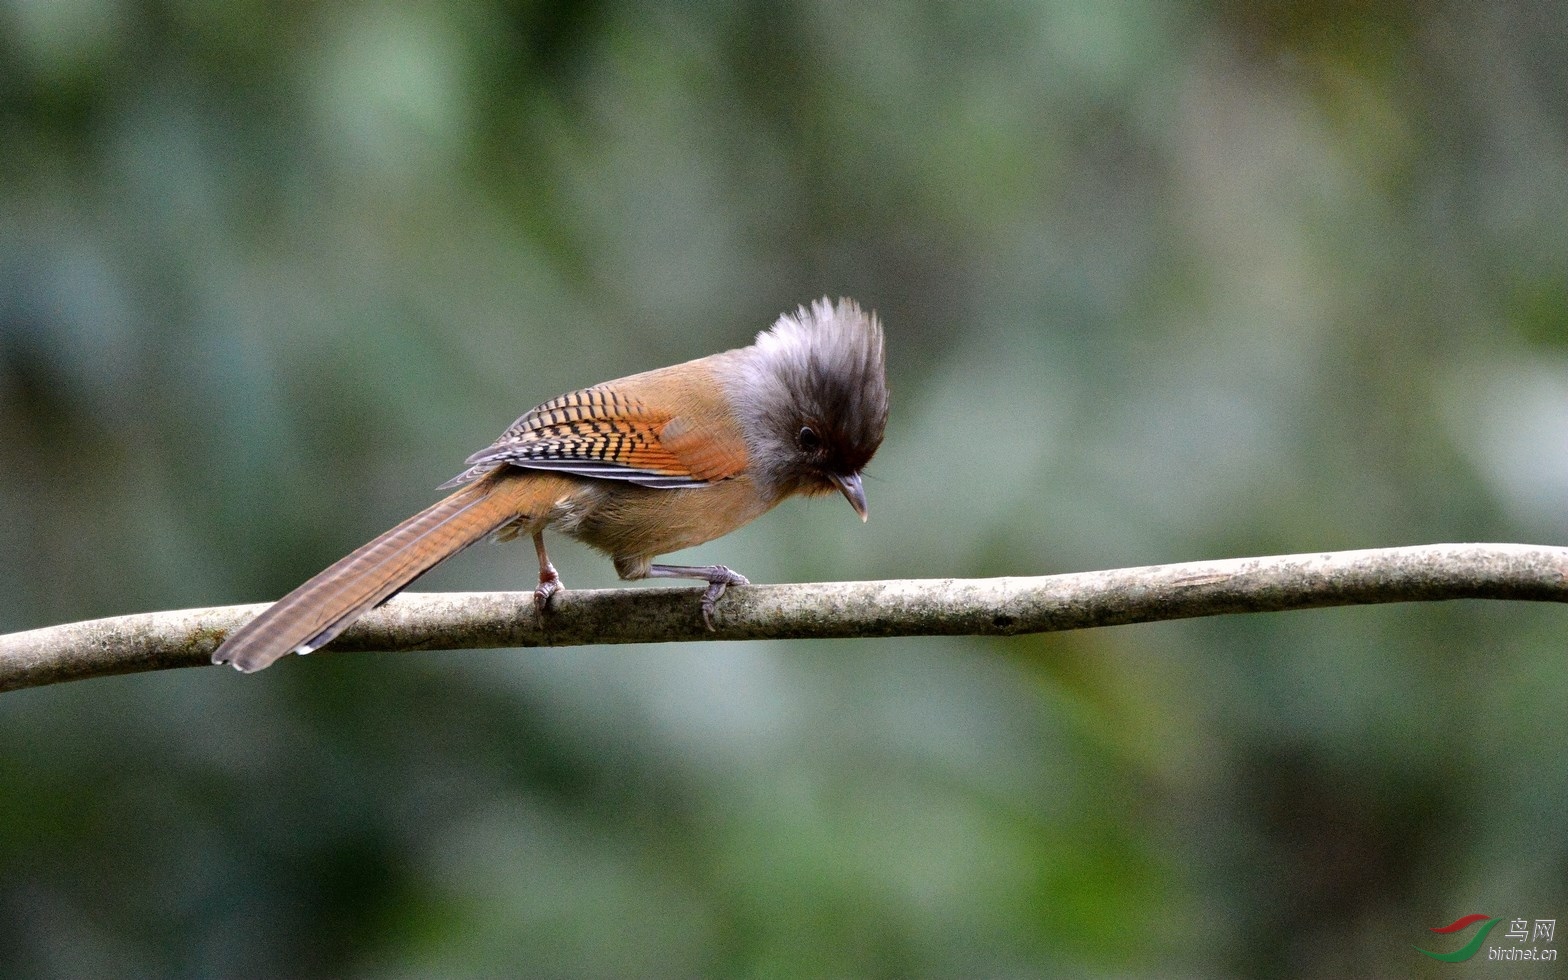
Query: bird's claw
(549,585)
(719,579)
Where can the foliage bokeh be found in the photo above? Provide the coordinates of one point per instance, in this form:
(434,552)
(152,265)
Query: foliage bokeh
(1162,281)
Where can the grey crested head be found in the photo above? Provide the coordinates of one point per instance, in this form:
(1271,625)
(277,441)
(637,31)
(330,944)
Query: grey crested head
(813,393)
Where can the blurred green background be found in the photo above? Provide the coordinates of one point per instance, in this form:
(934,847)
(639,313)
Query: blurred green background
(1162,281)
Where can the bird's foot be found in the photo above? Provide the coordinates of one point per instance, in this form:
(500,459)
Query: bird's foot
(718,578)
(549,585)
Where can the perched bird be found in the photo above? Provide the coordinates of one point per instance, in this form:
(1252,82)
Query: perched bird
(649,464)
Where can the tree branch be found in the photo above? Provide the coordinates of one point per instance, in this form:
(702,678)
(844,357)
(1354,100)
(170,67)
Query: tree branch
(909,607)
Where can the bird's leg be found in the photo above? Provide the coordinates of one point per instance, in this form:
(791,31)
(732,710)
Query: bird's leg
(718,578)
(549,579)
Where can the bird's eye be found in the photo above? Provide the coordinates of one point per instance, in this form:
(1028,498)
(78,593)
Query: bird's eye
(808,439)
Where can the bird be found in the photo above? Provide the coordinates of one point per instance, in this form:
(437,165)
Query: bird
(635,468)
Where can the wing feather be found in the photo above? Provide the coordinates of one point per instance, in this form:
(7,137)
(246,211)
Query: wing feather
(605,434)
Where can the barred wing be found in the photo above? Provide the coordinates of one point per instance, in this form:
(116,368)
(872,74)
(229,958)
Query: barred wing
(605,434)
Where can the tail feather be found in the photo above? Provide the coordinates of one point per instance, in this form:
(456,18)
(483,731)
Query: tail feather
(315,613)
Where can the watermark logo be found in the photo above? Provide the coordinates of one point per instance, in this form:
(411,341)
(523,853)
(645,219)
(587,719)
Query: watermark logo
(1520,931)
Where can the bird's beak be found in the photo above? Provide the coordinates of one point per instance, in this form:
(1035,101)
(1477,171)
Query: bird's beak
(853,492)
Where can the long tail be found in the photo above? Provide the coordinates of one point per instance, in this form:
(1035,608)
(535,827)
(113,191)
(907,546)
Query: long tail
(316,612)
